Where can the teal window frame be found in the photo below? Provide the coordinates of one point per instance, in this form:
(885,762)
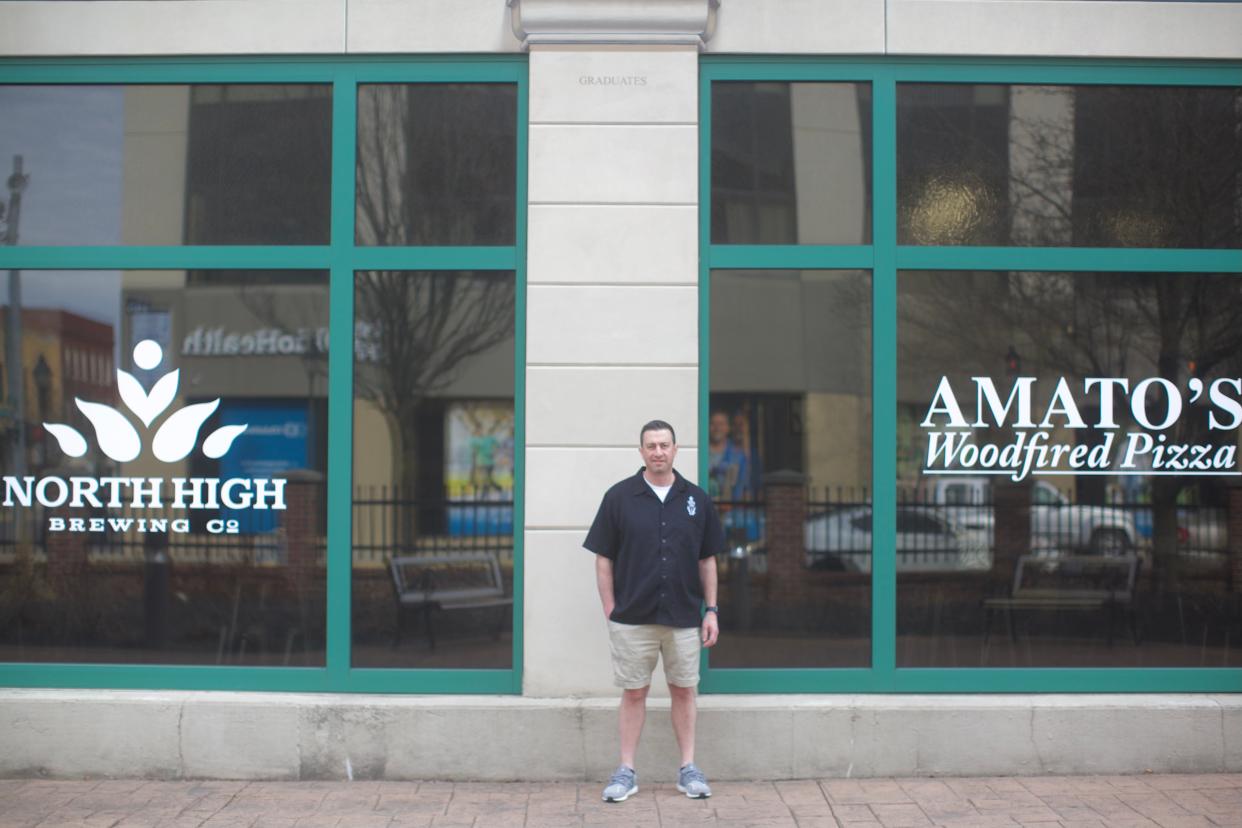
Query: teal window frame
(341,258)
(884,258)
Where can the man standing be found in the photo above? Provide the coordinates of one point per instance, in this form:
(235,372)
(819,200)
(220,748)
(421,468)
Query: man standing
(655,539)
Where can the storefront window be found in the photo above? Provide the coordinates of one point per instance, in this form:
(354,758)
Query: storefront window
(1078,435)
(789,465)
(434,469)
(163,493)
(791,163)
(436,164)
(1081,166)
(206,164)
(165,403)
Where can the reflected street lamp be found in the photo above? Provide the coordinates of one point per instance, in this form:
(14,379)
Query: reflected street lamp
(1013,363)
(11,216)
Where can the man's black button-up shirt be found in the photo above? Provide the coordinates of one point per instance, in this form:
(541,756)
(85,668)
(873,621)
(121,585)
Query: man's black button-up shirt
(655,549)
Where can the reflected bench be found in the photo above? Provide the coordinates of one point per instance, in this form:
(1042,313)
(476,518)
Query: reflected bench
(431,583)
(1069,583)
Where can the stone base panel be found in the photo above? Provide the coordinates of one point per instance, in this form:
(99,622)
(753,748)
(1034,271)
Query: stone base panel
(218,735)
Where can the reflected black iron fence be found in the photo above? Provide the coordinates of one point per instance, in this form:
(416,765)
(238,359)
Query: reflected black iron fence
(387,524)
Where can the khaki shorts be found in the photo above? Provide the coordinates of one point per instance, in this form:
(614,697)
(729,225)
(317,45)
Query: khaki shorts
(635,648)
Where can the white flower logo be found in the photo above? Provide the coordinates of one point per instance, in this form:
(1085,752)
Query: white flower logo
(118,438)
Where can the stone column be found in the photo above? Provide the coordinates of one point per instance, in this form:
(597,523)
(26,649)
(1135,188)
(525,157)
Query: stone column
(612,293)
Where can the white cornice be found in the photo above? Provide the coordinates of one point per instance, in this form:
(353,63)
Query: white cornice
(602,22)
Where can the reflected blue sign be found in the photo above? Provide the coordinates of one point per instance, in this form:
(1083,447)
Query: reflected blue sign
(273,444)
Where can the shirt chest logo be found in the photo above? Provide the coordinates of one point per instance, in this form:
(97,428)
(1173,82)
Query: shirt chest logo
(690,507)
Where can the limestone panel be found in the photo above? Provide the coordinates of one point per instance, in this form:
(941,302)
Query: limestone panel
(614,86)
(799,27)
(564,404)
(565,633)
(612,325)
(1173,734)
(564,485)
(213,725)
(608,244)
(430,26)
(93,733)
(188,27)
(613,164)
(488,741)
(1231,725)
(1033,27)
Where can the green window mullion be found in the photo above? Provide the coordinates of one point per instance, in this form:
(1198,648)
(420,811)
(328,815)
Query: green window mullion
(190,257)
(433,258)
(794,257)
(341,384)
(884,382)
(1067,680)
(705,299)
(1070,259)
(519,376)
(164,677)
(1069,72)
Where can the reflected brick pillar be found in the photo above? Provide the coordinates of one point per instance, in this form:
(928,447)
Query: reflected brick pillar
(784,497)
(1011,508)
(303,520)
(1235,538)
(66,551)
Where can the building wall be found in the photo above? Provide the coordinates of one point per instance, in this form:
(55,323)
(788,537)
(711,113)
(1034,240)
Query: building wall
(1205,30)
(613,201)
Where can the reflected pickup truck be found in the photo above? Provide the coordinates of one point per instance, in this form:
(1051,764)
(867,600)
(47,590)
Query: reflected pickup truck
(1056,523)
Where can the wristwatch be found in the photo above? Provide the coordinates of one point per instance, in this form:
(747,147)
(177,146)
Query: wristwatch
(713,609)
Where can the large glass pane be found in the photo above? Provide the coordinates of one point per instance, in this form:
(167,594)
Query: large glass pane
(1078,433)
(437,164)
(433,469)
(1086,166)
(791,163)
(161,438)
(789,465)
(170,164)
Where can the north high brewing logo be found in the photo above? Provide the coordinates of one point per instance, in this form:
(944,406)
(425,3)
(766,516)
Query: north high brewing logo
(1155,405)
(120,441)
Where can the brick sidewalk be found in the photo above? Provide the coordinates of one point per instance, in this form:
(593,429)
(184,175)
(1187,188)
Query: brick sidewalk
(1080,802)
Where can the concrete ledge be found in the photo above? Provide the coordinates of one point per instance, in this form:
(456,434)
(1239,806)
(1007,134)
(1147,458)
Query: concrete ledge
(175,735)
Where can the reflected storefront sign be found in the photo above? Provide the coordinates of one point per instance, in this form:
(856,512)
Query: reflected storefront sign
(952,448)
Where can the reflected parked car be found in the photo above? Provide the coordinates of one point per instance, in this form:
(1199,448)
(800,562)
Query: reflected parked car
(927,541)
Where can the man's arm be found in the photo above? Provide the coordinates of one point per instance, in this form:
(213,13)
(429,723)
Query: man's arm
(603,581)
(711,624)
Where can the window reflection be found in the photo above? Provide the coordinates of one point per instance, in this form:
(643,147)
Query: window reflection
(163,462)
(170,164)
(1078,433)
(1088,166)
(791,163)
(789,465)
(434,469)
(437,164)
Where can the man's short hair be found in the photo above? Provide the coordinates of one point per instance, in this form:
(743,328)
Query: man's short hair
(657,425)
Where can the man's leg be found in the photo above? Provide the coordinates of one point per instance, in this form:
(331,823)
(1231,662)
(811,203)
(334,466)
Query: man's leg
(631,717)
(684,713)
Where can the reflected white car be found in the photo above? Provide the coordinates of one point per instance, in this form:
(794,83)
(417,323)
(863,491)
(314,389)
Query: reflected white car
(927,541)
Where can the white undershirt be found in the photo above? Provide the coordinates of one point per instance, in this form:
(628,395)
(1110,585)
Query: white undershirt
(661,491)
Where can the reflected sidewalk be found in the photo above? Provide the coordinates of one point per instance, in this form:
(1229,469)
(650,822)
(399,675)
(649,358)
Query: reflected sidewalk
(1168,801)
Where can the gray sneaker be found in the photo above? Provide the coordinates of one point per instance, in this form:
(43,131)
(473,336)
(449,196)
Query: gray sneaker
(692,782)
(623,783)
